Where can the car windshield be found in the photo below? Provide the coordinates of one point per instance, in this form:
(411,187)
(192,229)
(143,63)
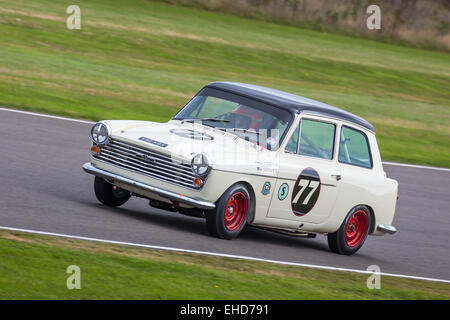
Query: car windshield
(249,119)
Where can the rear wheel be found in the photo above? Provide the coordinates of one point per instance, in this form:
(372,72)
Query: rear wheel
(109,194)
(353,232)
(228,219)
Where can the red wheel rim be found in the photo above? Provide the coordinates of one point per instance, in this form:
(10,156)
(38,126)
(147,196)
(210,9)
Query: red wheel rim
(235,211)
(356,228)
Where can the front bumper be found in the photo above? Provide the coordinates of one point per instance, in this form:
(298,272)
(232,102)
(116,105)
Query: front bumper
(201,204)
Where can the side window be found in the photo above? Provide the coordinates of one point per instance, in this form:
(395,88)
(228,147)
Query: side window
(354,148)
(292,144)
(317,139)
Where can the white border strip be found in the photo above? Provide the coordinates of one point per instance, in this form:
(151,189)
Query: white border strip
(224,255)
(91,122)
(415,166)
(45,115)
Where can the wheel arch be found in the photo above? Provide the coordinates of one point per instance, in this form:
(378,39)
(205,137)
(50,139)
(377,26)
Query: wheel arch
(371,213)
(372,218)
(251,191)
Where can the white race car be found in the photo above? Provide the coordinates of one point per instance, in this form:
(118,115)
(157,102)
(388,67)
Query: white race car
(240,154)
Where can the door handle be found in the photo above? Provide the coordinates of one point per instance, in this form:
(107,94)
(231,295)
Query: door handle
(337,176)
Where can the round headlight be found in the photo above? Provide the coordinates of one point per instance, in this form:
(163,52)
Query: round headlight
(201,165)
(100,133)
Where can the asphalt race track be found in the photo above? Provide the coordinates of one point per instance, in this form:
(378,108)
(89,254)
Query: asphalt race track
(42,187)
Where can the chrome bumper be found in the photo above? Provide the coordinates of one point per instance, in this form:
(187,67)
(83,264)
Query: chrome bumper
(89,168)
(386,228)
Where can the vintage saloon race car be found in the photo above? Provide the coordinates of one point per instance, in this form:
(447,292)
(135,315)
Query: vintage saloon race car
(240,154)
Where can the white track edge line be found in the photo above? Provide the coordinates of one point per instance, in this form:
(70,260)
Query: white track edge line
(224,255)
(91,122)
(43,115)
(416,166)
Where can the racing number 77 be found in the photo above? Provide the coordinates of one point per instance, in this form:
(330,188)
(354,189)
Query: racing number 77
(309,186)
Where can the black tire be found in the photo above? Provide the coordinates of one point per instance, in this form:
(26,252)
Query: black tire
(107,195)
(352,234)
(215,219)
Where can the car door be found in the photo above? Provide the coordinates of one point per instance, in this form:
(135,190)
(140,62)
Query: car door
(308,177)
(359,179)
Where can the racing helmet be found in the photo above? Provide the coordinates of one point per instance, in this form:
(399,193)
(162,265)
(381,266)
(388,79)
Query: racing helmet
(252,116)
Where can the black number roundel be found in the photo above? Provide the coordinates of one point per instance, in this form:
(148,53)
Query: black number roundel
(306,191)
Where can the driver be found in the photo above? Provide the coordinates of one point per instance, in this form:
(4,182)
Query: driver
(247,118)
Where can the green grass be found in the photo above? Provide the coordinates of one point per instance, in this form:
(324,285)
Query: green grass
(34,267)
(140,59)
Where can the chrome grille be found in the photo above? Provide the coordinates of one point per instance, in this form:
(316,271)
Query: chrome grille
(147,162)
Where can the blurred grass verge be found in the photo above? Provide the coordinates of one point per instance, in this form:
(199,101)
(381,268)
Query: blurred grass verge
(34,267)
(143,60)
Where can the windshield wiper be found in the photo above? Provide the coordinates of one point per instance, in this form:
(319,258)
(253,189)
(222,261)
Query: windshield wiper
(205,119)
(246,130)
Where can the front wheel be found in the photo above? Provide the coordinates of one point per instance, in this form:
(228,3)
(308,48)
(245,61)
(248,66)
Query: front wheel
(109,194)
(228,219)
(350,237)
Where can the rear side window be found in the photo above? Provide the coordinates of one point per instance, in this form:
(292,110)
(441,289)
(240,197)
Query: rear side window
(316,139)
(354,148)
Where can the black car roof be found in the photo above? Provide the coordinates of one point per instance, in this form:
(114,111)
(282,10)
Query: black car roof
(289,101)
